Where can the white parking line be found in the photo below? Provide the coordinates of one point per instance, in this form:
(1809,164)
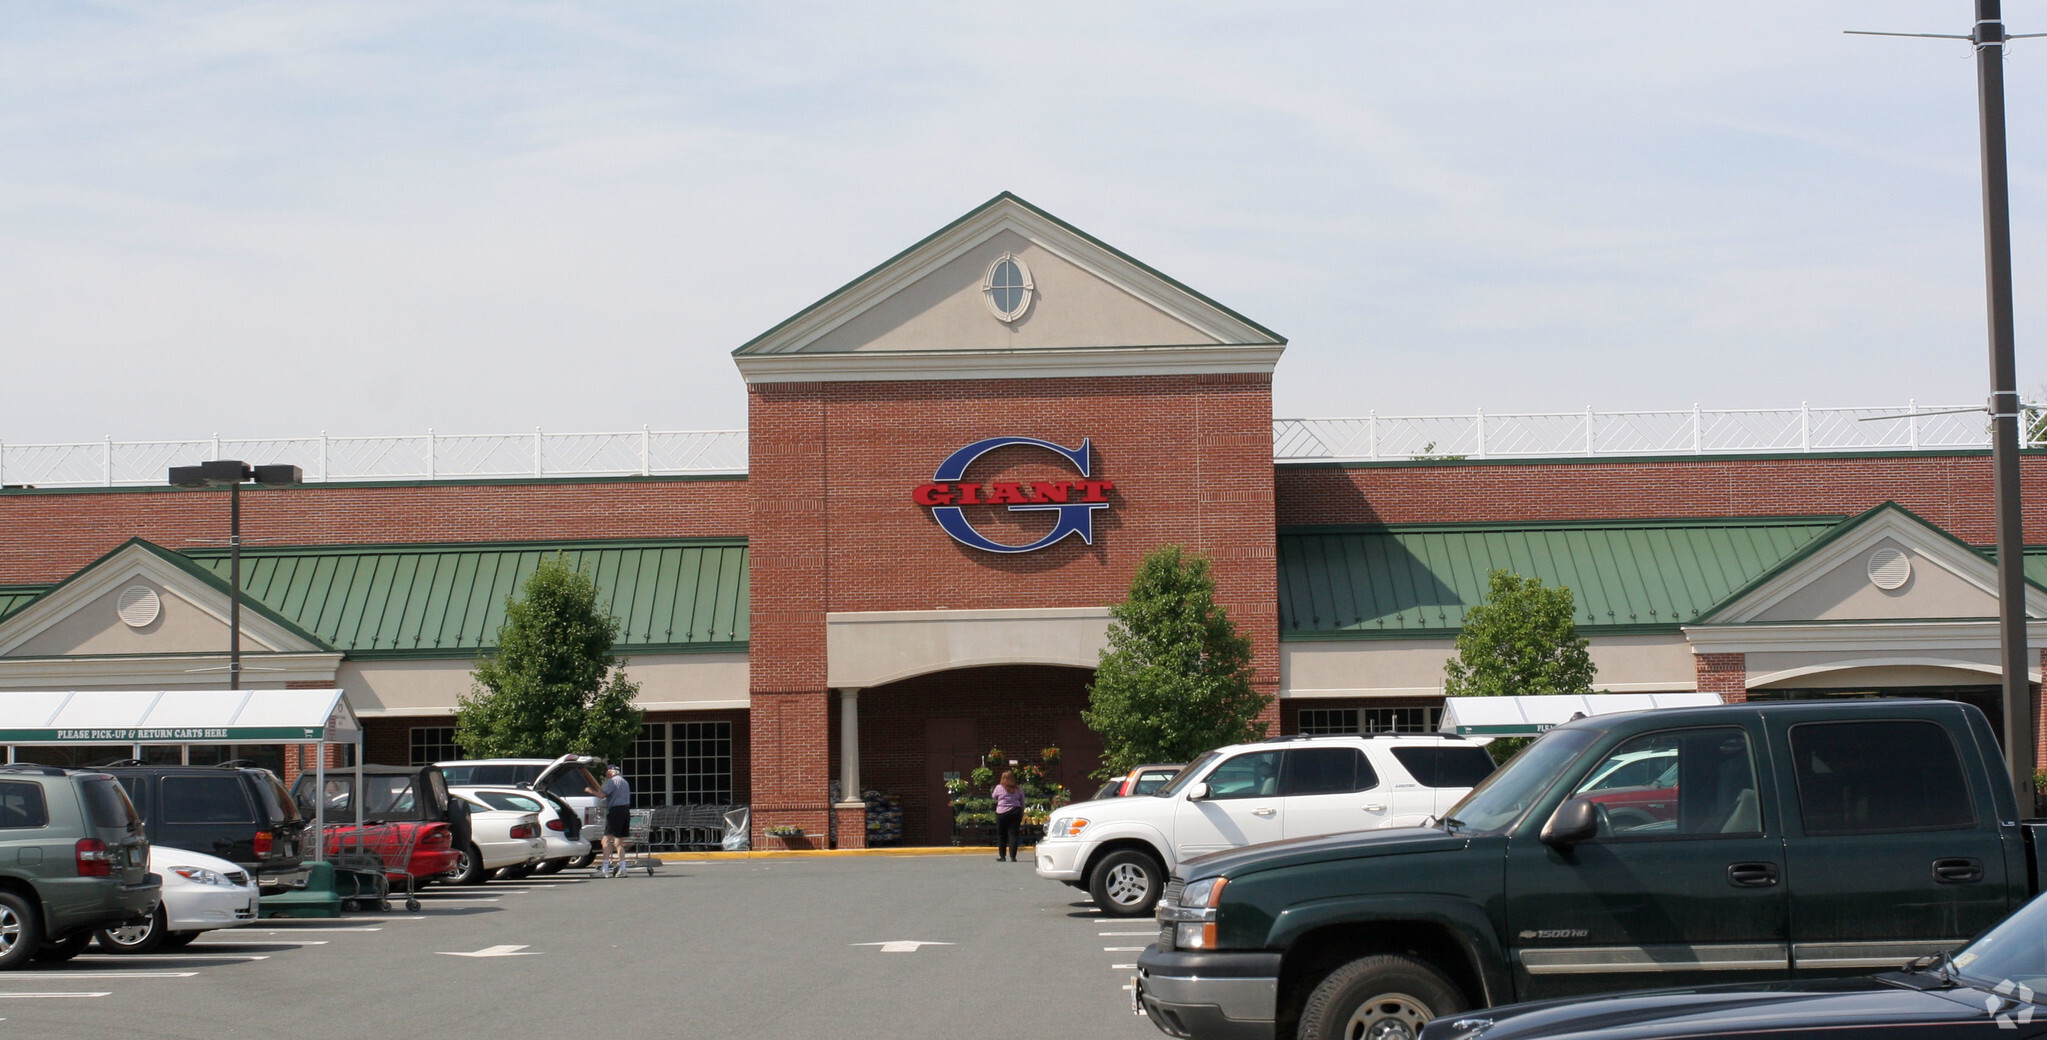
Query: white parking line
(12,975)
(298,931)
(232,941)
(1148,931)
(1122,967)
(28,996)
(1124,949)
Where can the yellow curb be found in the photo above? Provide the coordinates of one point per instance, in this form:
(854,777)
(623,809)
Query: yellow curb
(715,857)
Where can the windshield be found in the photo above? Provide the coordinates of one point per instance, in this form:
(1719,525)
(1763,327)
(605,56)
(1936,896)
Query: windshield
(1505,796)
(573,782)
(1188,774)
(2012,952)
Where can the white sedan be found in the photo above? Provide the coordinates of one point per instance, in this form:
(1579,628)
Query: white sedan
(200,893)
(504,832)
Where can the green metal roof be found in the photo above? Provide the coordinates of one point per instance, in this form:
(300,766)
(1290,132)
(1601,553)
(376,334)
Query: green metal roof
(1418,579)
(670,596)
(15,597)
(2036,564)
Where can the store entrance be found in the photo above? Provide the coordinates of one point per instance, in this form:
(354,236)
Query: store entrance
(917,734)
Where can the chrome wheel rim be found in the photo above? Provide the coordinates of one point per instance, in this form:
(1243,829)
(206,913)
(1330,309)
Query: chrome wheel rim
(461,866)
(1128,884)
(132,935)
(1388,1016)
(10,929)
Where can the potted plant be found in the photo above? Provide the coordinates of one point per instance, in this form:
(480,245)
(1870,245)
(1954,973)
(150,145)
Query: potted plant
(787,836)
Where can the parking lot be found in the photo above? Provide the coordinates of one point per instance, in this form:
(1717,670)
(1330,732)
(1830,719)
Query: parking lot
(865,946)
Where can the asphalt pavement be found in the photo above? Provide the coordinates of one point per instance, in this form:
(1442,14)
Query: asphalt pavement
(855,947)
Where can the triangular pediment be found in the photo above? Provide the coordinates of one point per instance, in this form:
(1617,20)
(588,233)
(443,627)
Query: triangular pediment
(142,599)
(1088,308)
(1886,565)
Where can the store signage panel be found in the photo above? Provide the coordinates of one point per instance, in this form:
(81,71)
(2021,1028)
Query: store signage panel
(1074,500)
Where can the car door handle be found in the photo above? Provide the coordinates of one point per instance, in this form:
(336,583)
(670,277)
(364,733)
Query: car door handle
(1374,807)
(1752,875)
(1959,871)
(1263,812)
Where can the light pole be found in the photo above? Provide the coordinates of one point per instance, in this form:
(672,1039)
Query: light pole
(233,473)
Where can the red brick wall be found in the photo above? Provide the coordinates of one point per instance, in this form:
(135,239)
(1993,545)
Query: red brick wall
(46,536)
(832,466)
(1724,674)
(1951,491)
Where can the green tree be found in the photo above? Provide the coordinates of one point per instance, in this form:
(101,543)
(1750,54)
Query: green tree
(552,686)
(1175,679)
(1519,641)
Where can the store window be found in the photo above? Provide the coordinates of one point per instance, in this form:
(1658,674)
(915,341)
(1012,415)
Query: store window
(1400,720)
(703,763)
(432,744)
(1325,722)
(646,765)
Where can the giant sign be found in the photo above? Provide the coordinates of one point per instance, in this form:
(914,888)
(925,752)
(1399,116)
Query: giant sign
(1074,500)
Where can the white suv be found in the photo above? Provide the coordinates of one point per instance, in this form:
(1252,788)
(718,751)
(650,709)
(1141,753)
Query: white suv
(1122,849)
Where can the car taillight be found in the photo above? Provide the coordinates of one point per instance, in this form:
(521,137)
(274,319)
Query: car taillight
(555,825)
(93,860)
(524,830)
(264,841)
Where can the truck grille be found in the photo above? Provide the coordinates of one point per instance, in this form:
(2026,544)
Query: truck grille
(1165,937)
(1173,890)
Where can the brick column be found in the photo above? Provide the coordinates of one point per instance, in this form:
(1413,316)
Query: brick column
(2040,714)
(1724,674)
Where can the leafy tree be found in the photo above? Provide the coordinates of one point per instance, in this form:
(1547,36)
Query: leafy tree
(1175,679)
(1520,640)
(553,686)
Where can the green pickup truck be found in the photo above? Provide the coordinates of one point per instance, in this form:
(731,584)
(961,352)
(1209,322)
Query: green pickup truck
(1734,843)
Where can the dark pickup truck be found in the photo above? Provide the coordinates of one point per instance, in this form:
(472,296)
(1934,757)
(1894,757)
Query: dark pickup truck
(1737,843)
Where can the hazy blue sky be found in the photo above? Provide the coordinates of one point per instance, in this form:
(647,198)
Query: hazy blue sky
(373,218)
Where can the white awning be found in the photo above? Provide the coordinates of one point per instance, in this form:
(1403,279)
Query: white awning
(177,717)
(1527,716)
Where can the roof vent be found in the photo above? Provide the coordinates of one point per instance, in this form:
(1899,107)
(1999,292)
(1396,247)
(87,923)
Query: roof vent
(1889,568)
(139,606)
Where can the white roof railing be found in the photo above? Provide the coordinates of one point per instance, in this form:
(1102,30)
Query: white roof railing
(650,452)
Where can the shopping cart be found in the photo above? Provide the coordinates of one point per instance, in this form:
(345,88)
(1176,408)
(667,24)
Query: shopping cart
(636,851)
(379,851)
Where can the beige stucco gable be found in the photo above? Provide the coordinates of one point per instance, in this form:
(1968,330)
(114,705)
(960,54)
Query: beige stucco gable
(95,627)
(948,310)
(1845,592)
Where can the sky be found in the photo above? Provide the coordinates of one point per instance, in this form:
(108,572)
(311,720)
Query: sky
(369,218)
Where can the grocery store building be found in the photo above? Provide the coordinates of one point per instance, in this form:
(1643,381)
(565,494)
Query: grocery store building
(951,469)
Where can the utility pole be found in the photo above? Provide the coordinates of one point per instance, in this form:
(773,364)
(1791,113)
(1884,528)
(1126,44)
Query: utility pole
(2020,713)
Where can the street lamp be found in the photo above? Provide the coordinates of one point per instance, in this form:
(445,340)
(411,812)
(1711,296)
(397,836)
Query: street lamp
(232,474)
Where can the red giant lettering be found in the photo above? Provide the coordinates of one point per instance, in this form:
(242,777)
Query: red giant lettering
(933,494)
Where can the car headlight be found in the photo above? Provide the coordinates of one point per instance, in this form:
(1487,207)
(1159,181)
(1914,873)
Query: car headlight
(199,875)
(1194,917)
(1066,827)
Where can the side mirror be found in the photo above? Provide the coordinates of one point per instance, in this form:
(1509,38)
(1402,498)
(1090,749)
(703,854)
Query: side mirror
(1196,792)
(1575,821)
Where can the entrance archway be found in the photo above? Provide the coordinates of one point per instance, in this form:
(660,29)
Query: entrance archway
(915,731)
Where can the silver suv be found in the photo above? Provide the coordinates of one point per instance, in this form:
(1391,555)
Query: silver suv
(1122,849)
(73,859)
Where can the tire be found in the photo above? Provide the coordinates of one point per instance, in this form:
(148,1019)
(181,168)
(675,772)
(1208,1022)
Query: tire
(144,938)
(178,940)
(1386,997)
(551,866)
(468,869)
(20,929)
(1126,883)
(66,948)
(583,860)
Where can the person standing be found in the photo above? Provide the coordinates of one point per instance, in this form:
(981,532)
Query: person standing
(1009,808)
(618,820)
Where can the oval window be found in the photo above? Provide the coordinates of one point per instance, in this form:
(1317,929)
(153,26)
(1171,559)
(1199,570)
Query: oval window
(1008,287)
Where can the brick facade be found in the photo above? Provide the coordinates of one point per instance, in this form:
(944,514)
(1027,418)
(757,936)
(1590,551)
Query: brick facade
(832,465)
(1724,674)
(46,536)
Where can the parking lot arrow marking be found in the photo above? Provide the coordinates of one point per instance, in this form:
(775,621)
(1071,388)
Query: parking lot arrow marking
(902,945)
(492,951)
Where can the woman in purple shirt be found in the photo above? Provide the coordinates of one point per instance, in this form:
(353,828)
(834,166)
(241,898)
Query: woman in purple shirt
(1009,805)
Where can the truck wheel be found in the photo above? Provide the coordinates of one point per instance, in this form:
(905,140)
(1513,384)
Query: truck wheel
(582,861)
(19,929)
(66,948)
(135,938)
(1126,883)
(1381,998)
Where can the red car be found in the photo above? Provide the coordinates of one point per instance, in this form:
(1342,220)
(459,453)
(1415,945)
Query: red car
(395,818)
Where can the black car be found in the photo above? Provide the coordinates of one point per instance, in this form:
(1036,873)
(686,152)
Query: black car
(241,814)
(1994,987)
